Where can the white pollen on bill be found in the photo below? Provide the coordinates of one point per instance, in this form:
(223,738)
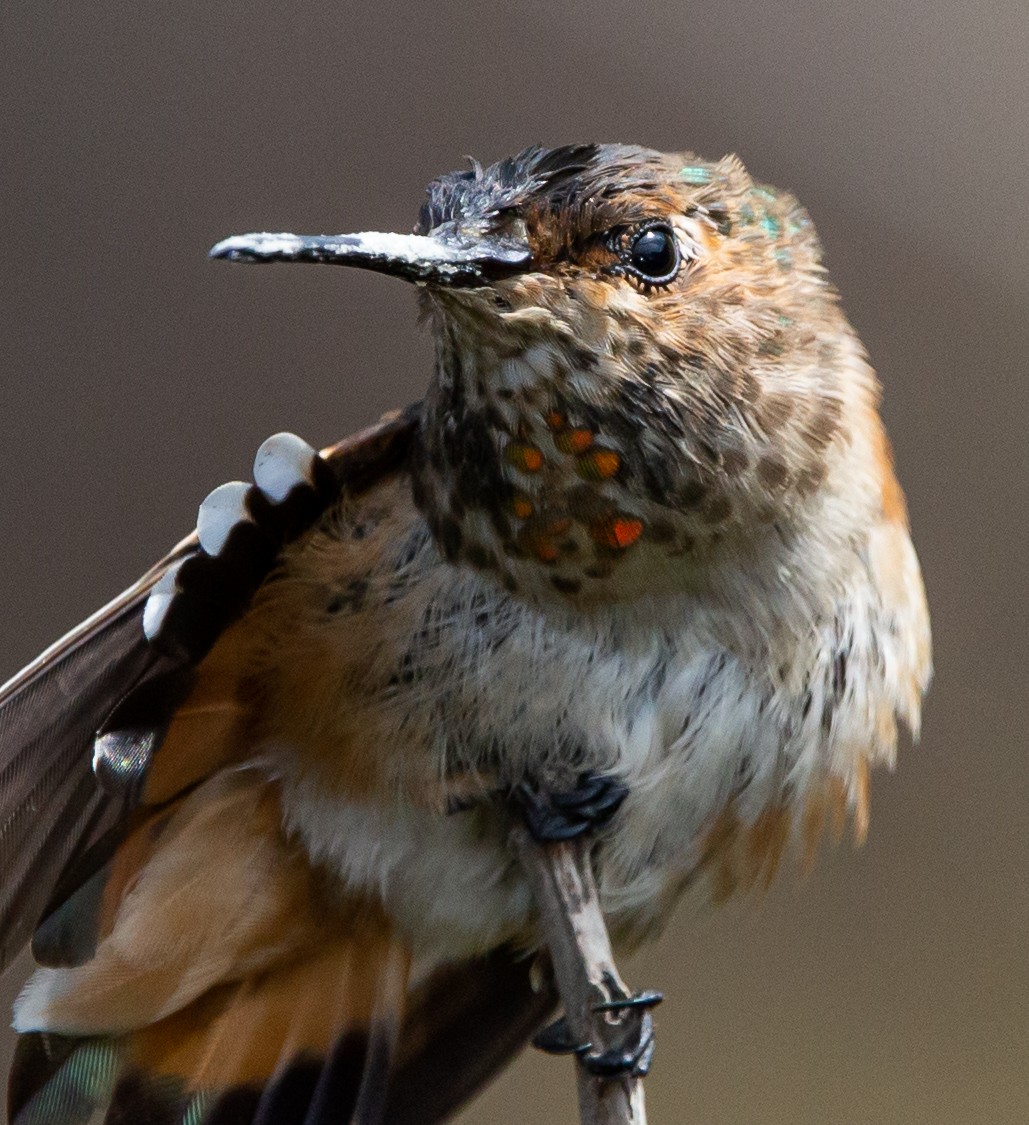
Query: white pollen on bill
(221,510)
(260,242)
(412,248)
(283,462)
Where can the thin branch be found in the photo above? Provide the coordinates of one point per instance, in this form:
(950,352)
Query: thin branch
(566,894)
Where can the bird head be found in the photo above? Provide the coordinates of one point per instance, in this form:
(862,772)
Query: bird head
(638,357)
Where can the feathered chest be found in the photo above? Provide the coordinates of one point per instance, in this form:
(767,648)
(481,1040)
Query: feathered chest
(399,686)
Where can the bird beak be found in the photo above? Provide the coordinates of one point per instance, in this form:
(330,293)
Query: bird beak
(448,256)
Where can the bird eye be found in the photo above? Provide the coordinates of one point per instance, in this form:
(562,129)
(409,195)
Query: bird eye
(651,254)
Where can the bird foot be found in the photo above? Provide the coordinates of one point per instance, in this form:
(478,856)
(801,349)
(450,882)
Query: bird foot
(557,1039)
(554,816)
(629,1057)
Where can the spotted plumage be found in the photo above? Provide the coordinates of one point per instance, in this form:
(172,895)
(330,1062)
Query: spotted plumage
(644,525)
(595,417)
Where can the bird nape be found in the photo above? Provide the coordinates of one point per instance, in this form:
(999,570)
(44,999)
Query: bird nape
(637,569)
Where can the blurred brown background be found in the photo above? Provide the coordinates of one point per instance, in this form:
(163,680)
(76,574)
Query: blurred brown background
(893,985)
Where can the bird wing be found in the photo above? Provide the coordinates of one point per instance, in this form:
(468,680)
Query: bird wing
(80,725)
(236,991)
(53,812)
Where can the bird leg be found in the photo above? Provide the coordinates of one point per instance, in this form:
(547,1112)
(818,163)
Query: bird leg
(565,815)
(605,1026)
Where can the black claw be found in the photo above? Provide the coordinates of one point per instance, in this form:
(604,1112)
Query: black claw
(648,999)
(589,788)
(552,817)
(629,1059)
(556,1039)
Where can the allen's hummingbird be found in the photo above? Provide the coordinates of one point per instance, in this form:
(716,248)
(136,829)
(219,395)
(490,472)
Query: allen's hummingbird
(638,566)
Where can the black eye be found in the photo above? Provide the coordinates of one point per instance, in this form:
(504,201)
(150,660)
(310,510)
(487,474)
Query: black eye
(652,254)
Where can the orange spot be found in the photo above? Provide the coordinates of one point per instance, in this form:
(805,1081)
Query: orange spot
(618,533)
(606,463)
(525,457)
(535,539)
(574,441)
(556,420)
(546,552)
(522,507)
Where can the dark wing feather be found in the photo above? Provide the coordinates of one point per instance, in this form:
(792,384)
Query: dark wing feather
(50,804)
(463,1025)
(59,815)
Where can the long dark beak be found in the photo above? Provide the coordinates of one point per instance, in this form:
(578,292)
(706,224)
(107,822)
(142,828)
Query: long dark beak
(447,256)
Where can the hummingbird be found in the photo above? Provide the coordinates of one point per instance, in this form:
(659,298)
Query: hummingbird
(637,569)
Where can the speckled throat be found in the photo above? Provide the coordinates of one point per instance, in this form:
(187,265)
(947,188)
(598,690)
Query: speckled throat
(559,467)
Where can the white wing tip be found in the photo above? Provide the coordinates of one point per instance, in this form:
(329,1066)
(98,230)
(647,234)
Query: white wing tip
(161,597)
(219,513)
(283,462)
